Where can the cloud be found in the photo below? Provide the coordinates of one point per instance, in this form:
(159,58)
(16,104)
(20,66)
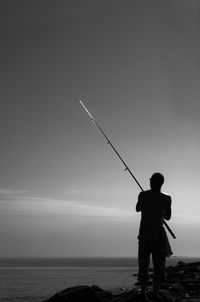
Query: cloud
(39,206)
(71,191)
(6,191)
(79,208)
(48,207)
(184,219)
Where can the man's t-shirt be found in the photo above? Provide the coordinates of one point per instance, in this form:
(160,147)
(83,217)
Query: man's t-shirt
(154,206)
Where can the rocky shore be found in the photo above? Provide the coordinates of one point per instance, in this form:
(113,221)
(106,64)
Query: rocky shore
(182,283)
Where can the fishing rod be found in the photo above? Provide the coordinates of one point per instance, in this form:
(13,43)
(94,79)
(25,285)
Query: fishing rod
(126,167)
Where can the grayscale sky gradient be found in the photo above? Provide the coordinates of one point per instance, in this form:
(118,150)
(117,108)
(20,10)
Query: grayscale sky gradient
(136,66)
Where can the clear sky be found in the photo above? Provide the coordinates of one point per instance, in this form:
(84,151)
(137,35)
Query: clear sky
(135,64)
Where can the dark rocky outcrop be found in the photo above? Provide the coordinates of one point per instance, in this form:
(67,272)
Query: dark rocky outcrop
(82,293)
(182,284)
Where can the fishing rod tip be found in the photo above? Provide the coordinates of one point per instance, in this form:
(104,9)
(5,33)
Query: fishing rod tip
(79,100)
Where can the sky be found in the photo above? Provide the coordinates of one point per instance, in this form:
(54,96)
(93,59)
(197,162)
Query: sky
(135,65)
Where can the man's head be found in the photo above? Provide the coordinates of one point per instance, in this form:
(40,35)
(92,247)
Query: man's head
(156,181)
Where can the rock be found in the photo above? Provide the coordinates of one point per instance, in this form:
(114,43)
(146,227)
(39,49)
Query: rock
(181,263)
(81,294)
(190,300)
(178,292)
(166,295)
(182,284)
(130,296)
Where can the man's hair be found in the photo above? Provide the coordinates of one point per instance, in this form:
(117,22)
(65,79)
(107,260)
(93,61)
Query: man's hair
(158,179)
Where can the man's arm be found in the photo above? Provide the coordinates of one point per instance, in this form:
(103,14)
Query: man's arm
(167,209)
(139,203)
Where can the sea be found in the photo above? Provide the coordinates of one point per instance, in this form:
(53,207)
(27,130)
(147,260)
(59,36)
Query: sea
(37,279)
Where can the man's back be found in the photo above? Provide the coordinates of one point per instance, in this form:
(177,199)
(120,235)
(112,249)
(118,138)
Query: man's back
(154,206)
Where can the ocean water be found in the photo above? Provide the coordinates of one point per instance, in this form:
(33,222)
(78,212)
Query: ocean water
(36,279)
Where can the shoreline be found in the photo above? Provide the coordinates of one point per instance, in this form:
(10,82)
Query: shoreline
(182,284)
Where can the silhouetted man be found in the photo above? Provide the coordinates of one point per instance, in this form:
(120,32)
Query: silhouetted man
(154,207)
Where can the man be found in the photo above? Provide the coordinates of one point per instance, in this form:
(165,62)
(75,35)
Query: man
(154,207)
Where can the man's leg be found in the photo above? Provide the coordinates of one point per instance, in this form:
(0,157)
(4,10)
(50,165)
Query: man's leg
(143,260)
(159,258)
